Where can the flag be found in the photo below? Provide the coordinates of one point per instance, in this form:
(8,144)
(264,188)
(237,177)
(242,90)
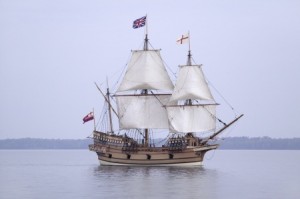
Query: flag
(183,39)
(139,22)
(88,117)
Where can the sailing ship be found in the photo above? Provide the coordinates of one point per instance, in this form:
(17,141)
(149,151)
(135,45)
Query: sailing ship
(147,103)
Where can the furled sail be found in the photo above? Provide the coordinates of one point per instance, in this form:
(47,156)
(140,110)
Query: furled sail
(142,111)
(146,71)
(191,84)
(192,118)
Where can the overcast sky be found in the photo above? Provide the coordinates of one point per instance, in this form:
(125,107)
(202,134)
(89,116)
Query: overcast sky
(51,52)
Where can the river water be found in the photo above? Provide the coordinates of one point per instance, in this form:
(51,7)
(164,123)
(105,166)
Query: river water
(30,174)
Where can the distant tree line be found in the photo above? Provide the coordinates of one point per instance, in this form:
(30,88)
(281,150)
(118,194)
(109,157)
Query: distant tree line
(235,143)
(35,143)
(260,143)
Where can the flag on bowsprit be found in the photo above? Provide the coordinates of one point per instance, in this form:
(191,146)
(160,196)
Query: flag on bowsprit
(88,117)
(183,39)
(139,22)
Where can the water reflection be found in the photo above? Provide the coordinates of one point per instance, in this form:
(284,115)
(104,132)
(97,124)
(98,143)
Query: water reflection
(148,171)
(155,182)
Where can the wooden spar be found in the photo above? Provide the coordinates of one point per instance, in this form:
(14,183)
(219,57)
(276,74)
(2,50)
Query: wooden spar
(137,95)
(109,112)
(107,100)
(216,104)
(222,129)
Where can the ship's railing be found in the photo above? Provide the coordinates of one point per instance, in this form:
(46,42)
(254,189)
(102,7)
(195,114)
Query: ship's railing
(176,144)
(97,148)
(92,147)
(128,146)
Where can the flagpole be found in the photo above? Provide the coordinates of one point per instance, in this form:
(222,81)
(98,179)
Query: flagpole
(189,61)
(146,24)
(189,41)
(146,34)
(94,120)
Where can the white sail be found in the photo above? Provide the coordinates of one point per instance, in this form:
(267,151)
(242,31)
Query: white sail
(191,84)
(142,111)
(194,118)
(146,71)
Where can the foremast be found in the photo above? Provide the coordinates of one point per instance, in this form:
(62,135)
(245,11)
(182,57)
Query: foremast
(197,113)
(191,107)
(189,63)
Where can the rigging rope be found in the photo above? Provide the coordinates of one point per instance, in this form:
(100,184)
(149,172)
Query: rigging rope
(221,96)
(124,68)
(157,98)
(218,92)
(174,74)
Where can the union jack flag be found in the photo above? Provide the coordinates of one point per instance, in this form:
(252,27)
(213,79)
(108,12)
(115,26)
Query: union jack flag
(139,22)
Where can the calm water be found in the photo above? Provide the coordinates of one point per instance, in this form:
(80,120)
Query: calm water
(76,174)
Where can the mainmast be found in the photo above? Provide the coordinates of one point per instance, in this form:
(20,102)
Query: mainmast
(145,91)
(145,72)
(146,42)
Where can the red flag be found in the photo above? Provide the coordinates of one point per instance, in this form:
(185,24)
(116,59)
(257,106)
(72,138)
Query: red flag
(88,117)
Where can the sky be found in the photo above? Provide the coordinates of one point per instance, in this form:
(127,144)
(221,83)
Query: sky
(52,52)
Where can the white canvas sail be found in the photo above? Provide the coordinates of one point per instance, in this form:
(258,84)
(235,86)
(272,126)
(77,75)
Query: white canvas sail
(194,118)
(143,111)
(146,71)
(191,84)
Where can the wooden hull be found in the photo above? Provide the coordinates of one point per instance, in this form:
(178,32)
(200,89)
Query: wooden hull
(105,163)
(111,151)
(189,157)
